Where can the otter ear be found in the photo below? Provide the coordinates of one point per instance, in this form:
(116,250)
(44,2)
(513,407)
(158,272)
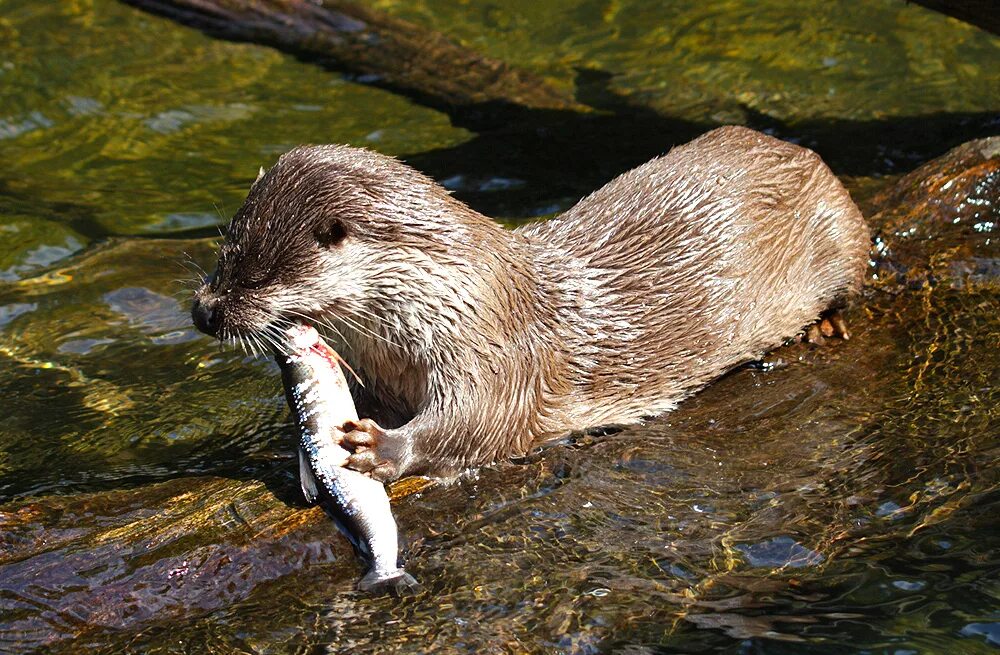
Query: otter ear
(330,234)
(260,174)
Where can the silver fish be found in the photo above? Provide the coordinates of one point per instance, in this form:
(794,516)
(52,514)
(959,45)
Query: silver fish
(321,402)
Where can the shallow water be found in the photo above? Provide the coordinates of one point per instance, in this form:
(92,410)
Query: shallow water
(843,502)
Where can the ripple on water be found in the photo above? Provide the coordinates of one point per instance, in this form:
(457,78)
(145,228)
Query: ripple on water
(39,257)
(780,552)
(155,314)
(771,522)
(9,312)
(990,632)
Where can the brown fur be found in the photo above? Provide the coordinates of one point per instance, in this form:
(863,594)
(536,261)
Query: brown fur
(479,342)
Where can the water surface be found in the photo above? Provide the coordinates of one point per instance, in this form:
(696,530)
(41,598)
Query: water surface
(843,502)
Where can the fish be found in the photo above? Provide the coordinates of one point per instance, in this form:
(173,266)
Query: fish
(321,402)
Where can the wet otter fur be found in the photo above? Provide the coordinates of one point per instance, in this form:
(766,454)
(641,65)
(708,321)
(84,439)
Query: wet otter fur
(475,342)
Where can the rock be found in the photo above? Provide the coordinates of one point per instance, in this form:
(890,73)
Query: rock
(123,558)
(941,222)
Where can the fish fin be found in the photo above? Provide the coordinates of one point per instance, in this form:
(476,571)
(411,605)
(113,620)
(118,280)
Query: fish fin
(397,583)
(306,478)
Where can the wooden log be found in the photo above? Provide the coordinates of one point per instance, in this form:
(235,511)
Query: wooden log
(394,53)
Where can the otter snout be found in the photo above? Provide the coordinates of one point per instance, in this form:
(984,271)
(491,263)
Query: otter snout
(206,312)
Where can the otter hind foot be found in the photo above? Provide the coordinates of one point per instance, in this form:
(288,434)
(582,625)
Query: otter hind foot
(373,453)
(831,323)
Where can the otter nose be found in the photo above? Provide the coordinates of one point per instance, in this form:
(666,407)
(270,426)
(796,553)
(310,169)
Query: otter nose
(207,316)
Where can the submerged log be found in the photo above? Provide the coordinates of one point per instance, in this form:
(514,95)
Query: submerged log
(119,559)
(146,553)
(394,53)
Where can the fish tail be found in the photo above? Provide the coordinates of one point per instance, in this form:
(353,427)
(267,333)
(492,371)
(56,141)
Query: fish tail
(397,582)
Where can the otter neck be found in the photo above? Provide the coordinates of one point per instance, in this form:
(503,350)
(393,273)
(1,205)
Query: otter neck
(452,319)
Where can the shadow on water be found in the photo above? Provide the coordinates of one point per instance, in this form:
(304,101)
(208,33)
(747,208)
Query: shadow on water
(550,159)
(545,160)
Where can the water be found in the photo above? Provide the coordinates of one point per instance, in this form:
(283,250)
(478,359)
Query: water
(843,502)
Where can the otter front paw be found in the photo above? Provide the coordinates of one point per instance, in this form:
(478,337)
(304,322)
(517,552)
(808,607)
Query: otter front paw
(376,452)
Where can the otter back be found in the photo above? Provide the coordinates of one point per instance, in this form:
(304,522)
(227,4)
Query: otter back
(698,261)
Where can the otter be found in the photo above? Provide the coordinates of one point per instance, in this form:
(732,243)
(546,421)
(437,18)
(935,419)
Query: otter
(474,342)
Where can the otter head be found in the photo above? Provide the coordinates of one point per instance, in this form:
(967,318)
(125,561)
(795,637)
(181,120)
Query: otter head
(333,234)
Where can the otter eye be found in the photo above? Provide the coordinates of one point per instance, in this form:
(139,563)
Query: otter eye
(330,234)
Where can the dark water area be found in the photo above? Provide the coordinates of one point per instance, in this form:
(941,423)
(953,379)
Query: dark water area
(840,499)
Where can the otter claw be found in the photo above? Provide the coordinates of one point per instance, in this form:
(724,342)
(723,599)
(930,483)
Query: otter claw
(363,461)
(839,325)
(814,335)
(368,463)
(366,439)
(362,433)
(830,324)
